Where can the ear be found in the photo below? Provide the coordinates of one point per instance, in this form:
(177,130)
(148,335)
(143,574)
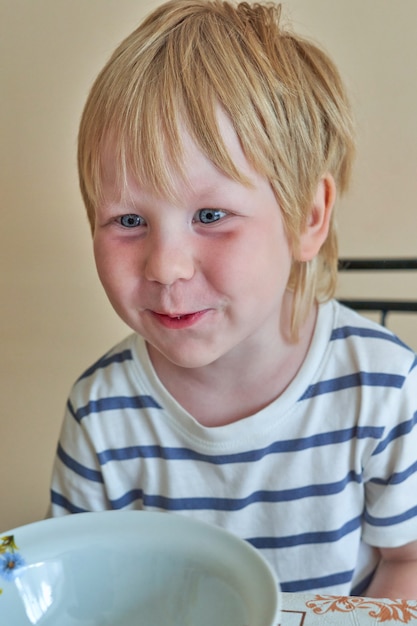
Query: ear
(318,222)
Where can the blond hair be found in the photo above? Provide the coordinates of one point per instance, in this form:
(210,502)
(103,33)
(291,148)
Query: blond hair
(282,93)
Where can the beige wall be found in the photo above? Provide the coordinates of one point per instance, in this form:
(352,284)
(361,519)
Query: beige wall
(54,318)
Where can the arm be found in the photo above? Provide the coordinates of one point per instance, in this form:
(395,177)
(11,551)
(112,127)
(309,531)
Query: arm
(396,575)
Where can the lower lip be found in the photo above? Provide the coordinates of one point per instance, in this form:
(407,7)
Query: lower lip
(180,322)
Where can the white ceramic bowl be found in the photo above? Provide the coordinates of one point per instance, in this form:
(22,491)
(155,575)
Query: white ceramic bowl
(131,568)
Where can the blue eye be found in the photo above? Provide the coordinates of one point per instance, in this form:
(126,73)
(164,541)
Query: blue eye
(131,220)
(209,216)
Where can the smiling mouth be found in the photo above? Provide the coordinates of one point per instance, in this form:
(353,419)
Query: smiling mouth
(178,320)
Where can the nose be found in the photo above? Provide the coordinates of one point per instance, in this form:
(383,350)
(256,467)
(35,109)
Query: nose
(169,258)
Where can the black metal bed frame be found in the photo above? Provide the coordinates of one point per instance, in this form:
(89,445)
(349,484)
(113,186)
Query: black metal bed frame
(382,306)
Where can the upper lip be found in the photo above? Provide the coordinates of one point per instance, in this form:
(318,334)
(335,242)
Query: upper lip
(174,313)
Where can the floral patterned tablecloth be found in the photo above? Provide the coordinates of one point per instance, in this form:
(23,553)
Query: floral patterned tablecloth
(315,610)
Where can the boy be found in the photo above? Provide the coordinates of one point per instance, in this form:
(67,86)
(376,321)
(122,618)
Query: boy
(210,150)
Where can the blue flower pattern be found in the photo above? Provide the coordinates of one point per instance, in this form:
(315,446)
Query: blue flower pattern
(10,559)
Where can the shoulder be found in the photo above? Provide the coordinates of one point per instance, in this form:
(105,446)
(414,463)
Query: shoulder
(114,374)
(368,343)
(361,358)
(121,353)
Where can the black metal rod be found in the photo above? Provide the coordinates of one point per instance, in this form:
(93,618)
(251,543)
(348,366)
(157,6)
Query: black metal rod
(346,264)
(380,305)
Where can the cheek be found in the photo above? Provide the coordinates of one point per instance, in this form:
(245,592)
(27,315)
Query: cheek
(102,256)
(246,264)
(112,267)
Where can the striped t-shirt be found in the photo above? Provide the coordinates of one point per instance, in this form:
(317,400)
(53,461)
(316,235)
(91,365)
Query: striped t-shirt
(313,480)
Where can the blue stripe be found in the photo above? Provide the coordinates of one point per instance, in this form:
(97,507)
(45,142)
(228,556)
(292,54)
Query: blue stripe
(58,499)
(234,504)
(79,469)
(295,586)
(114,403)
(391,521)
(371,333)
(105,361)
(398,431)
(328,536)
(250,456)
(397,477)
(359,379)
(127,499)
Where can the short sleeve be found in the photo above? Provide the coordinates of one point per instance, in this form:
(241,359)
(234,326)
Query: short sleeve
(77,482)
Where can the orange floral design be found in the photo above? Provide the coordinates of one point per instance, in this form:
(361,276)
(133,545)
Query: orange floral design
(402,611)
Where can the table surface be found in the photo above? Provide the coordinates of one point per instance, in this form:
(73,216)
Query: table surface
(300,609)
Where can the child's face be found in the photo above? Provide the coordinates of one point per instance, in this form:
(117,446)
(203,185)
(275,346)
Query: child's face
(201,279)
